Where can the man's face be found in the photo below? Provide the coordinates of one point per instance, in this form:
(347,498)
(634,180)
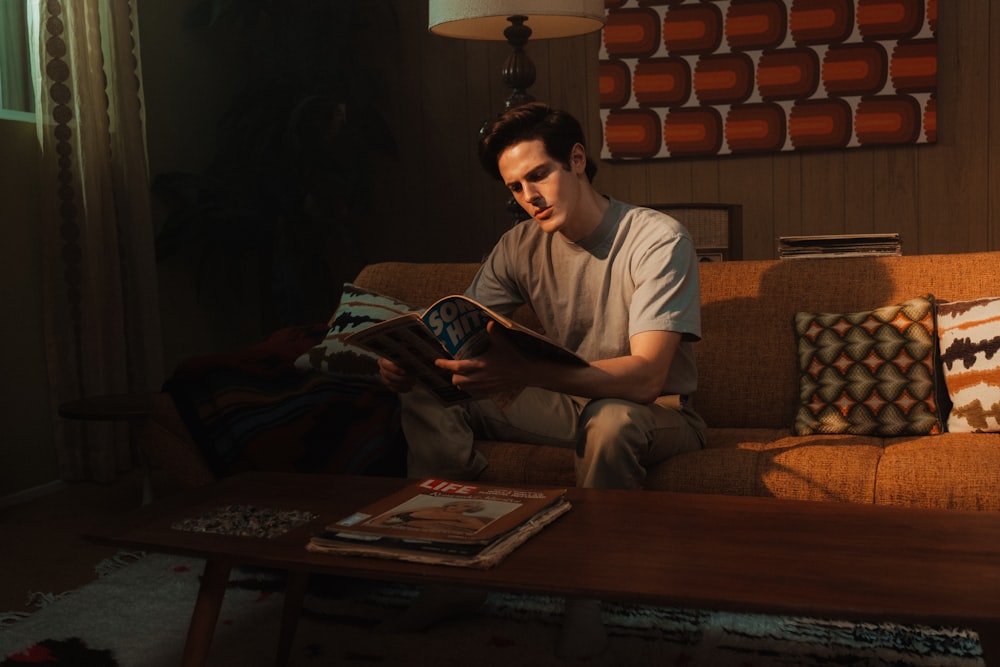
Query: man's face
(544,187)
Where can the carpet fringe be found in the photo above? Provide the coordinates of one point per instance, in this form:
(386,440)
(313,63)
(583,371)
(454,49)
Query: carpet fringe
(41,600)
(12,617)
(117,562)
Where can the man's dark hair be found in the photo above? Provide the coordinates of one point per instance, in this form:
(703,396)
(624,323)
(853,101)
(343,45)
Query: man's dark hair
(557,130)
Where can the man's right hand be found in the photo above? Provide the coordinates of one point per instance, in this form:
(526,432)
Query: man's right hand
(394,376)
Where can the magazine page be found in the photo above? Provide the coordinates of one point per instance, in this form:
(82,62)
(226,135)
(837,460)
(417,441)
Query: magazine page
(460,323)
(407,341)
(454,327)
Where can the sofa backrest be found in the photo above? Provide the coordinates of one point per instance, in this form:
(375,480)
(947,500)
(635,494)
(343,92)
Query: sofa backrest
(421,284)
(418,284)
(748,373)
(747,365)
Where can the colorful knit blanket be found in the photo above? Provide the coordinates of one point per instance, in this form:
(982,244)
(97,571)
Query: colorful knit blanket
(253,410)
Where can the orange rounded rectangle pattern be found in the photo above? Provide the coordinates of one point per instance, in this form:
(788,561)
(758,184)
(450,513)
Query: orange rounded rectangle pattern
(724,79)
(889,19)
(778,74)
(693,131)
(855,69)
(632,33)
(820,124)
(694,29)
(930,119)
(632,133)
(913,67)
(759,24)
(821,21)
(788,74)
(663,82)
(755,127)
(887,120)
(614,83)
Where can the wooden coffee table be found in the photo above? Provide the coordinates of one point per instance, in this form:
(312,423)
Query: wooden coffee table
(833,560)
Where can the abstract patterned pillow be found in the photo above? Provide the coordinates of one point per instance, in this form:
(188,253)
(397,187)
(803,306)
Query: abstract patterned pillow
(358,309)
(868,373)
(969,332)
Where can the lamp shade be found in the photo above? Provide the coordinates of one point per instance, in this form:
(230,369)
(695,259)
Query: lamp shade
(487,19)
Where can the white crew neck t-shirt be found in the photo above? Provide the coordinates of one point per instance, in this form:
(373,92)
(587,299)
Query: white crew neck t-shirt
(638,271)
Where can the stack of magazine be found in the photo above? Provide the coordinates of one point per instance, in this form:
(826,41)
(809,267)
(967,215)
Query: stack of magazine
(839,245)
(444,522)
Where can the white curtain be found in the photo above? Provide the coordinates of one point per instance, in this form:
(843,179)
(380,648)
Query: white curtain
(102,312)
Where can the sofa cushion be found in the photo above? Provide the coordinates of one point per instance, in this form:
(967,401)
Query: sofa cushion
(358,309)
(969,333)
(763,462)
(517,462)
(868,373)
(955,471)
(745,462)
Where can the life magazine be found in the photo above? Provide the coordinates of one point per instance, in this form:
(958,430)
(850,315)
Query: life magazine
(444,522)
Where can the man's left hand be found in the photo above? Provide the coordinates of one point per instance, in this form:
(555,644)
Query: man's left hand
(500,369)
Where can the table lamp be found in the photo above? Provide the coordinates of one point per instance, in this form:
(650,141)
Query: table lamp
(515,21)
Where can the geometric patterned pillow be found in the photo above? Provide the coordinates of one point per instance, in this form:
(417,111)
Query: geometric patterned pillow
(868,373)
(969,332)
(357,310)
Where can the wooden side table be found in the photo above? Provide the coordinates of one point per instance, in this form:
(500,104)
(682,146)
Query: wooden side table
(133,408)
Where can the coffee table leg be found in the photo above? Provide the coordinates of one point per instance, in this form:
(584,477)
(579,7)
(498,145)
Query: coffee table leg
(206,612)
(989,637)
(295,591)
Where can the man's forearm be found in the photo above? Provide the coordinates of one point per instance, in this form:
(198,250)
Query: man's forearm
(631,378)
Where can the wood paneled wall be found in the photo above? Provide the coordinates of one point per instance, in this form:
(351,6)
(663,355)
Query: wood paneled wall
(435,203)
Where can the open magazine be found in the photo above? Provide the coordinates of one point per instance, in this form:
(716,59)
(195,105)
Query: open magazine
(444,522)
(451,328)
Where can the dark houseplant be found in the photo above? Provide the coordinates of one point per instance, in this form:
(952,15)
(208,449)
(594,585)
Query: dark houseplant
(293,162)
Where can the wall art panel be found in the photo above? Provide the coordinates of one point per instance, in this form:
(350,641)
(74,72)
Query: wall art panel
(683,78)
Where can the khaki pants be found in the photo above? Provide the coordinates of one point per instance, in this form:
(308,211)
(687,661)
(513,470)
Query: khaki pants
(615,440)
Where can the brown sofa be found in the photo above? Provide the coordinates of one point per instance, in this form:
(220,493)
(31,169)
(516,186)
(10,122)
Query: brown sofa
(748,389)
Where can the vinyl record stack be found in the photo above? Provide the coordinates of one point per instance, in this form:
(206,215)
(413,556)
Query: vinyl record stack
(839,245)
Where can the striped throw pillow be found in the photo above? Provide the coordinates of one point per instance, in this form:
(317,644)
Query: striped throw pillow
(358,308)
(969,332)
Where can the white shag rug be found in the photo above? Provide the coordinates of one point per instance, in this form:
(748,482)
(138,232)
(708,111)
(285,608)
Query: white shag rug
(136,615)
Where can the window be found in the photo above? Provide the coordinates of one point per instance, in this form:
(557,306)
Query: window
(17,96)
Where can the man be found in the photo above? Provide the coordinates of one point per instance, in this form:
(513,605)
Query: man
(616,284)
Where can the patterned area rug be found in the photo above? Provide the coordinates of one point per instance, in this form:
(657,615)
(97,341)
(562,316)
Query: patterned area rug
(136,615)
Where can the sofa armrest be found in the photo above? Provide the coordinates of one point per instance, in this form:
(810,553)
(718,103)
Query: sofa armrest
(168,445)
